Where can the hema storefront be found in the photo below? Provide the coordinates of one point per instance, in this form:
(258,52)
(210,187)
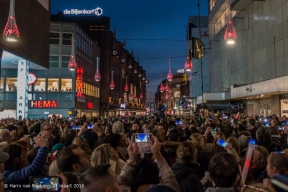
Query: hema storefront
(29,52)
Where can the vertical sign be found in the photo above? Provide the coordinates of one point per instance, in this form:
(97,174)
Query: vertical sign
(22,89)
(79,82)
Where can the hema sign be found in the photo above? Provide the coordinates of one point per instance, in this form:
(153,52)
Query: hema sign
(97,11)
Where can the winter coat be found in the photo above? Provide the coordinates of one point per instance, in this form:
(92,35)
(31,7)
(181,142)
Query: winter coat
(187,176)
(21,176)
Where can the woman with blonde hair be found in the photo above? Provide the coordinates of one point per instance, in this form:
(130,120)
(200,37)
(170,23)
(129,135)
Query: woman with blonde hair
(235,144)
(54,169)
(105,154)
(259,163)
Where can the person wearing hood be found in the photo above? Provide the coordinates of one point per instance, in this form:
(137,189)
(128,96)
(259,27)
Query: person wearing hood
(186,168)
(224,181)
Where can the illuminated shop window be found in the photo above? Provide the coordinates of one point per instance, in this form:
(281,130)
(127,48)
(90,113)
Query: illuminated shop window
(1,84)
(40,85)
(66,85)
(53,84)
(11,84)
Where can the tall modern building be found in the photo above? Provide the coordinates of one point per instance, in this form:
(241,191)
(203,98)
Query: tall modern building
(253,71)
(200,31)
(116,60)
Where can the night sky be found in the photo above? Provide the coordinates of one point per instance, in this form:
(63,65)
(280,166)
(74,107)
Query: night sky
(154,29)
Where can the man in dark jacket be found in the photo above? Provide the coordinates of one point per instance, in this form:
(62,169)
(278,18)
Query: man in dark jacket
(92,136)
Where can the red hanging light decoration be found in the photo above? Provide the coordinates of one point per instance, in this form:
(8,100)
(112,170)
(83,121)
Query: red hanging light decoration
(188,63)
(141,96)
(126,88)
(161,88)
(72,65)
(167,87)
(169,91)
(169,75)
(97,75)
(166,96)
(11,32)
(230,35)
(112,85)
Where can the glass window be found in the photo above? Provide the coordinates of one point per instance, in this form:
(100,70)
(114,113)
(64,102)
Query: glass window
(1,84)
(39,96)
(54,61)
(40,85)
(53,96)
(54,38)
(65,60)
(66,84)
(67,39)
(53,84)
(30,96)
(11,84)
(11,96)
(66,96)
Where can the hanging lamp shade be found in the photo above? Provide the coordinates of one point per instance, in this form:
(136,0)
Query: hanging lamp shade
(97,75)
(11,32)
(134,95)
(112,85)
(230,35)
(72,65)
(166,96)
(169,91)
(188,64)
(126,88)
(167,87)
(161,88)
(141,96)
(169,75)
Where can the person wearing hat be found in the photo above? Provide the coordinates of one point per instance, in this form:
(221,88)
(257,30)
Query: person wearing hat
(3,157)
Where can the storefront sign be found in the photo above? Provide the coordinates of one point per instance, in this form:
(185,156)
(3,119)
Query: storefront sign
(90,105)
(284,107)
(22,89)
(32,78)
(180,71)
(44,104)
(79,82)
(97,11)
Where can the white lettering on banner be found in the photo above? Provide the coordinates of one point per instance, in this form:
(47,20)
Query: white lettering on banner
(22,89)
(97,11)
(123,105)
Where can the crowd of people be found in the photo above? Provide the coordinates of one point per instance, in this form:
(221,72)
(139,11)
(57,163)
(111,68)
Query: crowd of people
(104,154)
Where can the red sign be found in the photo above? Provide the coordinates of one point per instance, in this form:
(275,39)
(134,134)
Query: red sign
(44,104)
(79,82)
(90,105)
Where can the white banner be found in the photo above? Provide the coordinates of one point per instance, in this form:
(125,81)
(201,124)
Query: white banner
(22,89)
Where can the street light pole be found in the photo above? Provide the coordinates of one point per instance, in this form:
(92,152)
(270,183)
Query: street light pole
(202,86)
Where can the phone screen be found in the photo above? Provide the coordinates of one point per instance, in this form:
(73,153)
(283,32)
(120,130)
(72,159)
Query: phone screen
(44,183)
(90,126)
(222,143)
(178,122)
(252,142)
(141,137)
(281,128)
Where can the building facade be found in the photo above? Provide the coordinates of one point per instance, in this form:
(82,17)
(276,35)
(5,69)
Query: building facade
(253,70)
(116,60)
(200,31)
(29,52)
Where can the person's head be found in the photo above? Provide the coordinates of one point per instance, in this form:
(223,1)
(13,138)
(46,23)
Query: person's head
(45,126)
(162,129)
(100,177)
(135,127)
(54,169)
(274,130)
(68,137)
(116,140)
(118,127)
(73,159)
(224,170)
(260,156)
(103,154)
(186,152)
(174,135)
(3,157)
(145,127)
(108,130)
(97,126)
(277,164)
(235,144)
(263,135)
(197,139)
(4,135)
(145,172)
(72,180)
(251,122)
(15,160)
(82,143)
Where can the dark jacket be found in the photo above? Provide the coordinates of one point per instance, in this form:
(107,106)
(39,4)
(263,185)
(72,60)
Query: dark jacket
(186,175)
(92,138)
(203,160)
(21,176)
